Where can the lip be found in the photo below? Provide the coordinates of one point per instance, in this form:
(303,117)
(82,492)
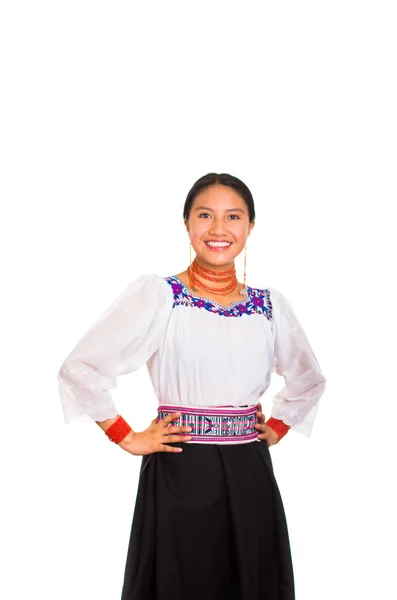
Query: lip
(218,248)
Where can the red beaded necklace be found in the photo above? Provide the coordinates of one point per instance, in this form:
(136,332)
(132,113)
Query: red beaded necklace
(216,276)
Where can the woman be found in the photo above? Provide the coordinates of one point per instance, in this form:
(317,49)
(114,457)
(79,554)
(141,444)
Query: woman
(208,520)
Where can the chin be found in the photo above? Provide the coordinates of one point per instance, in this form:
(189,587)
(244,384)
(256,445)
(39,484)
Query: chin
(216,260)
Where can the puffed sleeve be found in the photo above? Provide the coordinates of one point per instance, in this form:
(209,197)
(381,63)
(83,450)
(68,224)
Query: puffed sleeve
(297,403)
(122,340)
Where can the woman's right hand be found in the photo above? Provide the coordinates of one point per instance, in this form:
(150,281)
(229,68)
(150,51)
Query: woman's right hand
(156,437)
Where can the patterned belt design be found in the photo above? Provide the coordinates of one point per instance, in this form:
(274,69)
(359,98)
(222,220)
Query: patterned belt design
(215,424)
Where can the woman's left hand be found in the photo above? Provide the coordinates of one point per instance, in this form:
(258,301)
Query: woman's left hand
(265,432)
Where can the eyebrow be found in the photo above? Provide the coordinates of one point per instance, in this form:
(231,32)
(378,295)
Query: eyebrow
(227,210)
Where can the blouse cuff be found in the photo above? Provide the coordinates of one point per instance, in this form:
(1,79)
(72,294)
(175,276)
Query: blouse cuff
(278,426)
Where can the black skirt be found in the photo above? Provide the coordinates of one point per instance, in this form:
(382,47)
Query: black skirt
(209,524)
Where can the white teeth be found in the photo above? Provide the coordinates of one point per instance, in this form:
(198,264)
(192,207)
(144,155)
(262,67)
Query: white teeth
(218,244)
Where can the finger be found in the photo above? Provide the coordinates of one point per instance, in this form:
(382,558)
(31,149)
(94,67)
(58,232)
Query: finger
(177,438)
(165,448)
(178,429)
(259,406)
(261,427)
(260,416)
(169,418)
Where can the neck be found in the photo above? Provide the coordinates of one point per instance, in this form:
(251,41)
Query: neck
(213,280)
(218,268)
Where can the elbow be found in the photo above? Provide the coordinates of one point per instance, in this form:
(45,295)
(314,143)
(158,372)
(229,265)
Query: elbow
(67,369)
(73,372)
(94,374)
(322,381)
(318,385)
(315,378)
(63,372)
(309,380)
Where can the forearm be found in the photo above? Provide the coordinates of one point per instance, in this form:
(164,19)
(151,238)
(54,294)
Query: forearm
(127,432)
(104,425)
(278,426)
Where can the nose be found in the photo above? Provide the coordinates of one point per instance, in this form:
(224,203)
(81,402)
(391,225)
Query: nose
(218,227)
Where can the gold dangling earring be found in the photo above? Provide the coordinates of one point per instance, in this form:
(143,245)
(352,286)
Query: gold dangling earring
(244,288)
(190,269)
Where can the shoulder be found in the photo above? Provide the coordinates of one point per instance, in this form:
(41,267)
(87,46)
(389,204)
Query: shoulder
(277,299)
(148,289)
(275,294)
(269,292)
(273,298)
(260,298)
(150,281)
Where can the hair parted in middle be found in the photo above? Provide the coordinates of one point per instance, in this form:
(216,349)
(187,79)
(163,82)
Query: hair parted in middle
(220,179)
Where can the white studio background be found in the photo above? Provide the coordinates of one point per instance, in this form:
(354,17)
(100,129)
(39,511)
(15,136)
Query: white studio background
(109,113)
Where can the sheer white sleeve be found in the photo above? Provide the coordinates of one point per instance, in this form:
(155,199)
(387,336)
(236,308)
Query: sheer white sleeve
(120,341)
(297,403)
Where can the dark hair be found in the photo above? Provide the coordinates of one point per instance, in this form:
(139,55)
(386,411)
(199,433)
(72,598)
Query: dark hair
(220,179)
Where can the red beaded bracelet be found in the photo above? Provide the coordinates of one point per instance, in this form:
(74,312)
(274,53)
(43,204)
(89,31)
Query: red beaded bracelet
(118,430)
(278,426)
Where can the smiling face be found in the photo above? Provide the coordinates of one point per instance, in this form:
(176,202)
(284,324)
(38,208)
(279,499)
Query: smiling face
(218,214)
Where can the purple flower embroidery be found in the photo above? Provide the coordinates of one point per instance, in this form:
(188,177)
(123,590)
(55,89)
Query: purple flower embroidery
(257,301)
(176,288)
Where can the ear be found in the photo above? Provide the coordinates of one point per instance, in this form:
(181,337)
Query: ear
(251,226)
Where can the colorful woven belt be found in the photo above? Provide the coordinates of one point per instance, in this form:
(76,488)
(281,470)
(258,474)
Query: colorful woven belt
(215,424)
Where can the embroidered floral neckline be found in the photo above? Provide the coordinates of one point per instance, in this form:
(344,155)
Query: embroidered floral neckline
(255,301)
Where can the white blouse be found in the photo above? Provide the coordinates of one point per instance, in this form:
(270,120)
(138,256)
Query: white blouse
(196,351)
